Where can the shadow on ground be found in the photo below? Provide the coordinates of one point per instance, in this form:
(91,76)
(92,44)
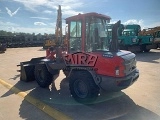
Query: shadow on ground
(109,106)
(23,86)
(151,56)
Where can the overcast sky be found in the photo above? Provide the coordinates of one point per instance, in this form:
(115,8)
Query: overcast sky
(39,16)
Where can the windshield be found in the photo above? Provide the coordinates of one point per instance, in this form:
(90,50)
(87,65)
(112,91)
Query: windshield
(96,35)
(110,33)
(128,33)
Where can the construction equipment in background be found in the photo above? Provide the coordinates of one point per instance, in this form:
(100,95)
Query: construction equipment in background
(2,48)
(130,39)
(89,59)
(138,43)
(3,45)
(52,41)
(49,41)
(155,32)
(127,37)
(17,40)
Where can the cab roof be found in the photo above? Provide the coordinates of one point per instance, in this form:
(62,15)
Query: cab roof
(128,30)
(81,16)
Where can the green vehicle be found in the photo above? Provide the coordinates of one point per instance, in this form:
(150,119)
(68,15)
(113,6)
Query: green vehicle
(132,39)
(155,32)
(136,40)
(146,43)
(129,40)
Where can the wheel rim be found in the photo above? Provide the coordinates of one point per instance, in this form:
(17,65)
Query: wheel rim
(80,89)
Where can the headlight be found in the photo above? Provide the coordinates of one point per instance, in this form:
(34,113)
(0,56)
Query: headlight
(134,40)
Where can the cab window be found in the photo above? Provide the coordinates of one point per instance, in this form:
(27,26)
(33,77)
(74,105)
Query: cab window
(75,36)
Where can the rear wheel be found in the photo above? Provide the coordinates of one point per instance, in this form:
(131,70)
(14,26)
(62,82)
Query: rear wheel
(146,50)
(42,75)
(143,48)
(83,87)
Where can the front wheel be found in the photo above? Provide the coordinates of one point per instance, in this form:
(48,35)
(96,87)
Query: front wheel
(42,75)
(82,87)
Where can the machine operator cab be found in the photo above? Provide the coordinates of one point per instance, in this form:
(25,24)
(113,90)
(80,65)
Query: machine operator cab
(88,32)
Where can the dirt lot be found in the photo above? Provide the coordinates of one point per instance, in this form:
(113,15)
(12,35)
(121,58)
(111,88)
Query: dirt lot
(141,101)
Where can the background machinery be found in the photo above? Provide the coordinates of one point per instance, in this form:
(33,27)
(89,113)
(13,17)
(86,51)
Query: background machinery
(16,40)
(49,41)
(133,39)
(155,32)
(3,44)
(2,47)
(89,59)
(128,39)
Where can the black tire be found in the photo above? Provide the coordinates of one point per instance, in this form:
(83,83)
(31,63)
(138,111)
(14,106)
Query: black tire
(82,87)
(143,48)
(146,50)
(42,75)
